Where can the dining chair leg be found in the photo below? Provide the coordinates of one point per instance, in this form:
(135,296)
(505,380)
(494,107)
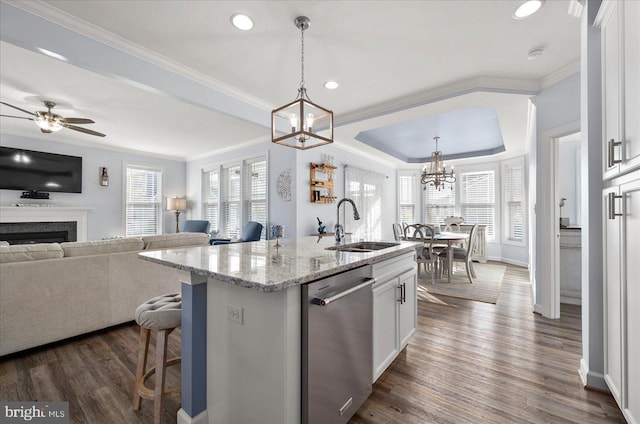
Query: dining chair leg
(473,271)
(470,272)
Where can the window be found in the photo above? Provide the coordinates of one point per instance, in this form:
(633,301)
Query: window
(210,198)
(513,188)
(230,200)
(365,189)
(235,193)
(439,204)
(407,198)
(255,202)
(478,200)
(143,200)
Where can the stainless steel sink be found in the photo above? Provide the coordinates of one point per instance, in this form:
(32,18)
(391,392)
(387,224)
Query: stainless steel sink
(363,246)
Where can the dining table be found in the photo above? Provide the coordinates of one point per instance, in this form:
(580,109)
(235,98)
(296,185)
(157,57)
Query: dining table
(450,238)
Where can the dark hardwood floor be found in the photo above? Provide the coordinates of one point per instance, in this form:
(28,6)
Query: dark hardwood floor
(469,362)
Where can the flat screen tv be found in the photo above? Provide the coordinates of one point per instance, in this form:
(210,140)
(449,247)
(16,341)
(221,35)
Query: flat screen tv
(30,170)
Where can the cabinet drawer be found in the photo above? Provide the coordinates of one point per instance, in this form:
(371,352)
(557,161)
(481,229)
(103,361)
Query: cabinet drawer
(382,271)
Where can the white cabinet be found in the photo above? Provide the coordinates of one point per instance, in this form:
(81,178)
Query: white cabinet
(620,45)
(395,313)
(619,22)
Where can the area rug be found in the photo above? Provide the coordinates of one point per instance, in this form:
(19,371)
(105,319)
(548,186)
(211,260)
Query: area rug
(485,288)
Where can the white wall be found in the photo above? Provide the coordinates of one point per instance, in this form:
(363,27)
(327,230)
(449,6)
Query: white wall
(106,215)
(307,211)
(279,158)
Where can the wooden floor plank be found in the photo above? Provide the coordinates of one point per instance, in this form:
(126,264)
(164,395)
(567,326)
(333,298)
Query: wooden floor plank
(469,362)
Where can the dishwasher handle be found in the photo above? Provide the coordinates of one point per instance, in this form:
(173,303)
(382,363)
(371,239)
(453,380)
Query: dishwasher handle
(325,301)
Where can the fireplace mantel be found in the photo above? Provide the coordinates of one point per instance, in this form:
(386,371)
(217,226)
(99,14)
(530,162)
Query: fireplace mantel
(47,214)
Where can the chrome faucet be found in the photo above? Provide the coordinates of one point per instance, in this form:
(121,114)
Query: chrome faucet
(339,229)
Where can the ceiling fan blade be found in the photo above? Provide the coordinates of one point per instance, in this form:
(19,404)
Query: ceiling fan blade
(19,117)
(77,121)
(16,107)
(84,130)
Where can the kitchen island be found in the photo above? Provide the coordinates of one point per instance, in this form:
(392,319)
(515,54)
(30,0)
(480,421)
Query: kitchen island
(241,321)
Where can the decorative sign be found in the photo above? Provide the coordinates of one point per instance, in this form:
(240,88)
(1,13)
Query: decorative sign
(283,185)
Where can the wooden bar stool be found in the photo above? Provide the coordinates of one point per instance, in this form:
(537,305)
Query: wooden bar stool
(161,314)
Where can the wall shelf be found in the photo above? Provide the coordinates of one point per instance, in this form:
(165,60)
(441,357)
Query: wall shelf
(321,183)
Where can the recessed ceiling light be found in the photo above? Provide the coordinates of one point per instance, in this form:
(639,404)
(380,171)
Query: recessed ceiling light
(534,54)
(331,85)
(527,9)
(52,54)
(241,21)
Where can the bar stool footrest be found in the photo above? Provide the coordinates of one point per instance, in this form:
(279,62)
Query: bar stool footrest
(149,394)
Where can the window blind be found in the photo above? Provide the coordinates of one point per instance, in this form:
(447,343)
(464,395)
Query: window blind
(230,200)
(513,177)
(407,199)
(143,201)
(365,189)
(255,197)
(439,203)
(477,199)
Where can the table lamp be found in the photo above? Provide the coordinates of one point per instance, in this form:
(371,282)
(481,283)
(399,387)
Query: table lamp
(178,205)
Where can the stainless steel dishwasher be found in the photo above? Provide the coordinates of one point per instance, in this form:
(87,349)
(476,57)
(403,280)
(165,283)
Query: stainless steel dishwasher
(337,346)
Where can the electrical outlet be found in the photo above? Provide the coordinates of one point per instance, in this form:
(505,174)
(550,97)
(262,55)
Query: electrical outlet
(234,313)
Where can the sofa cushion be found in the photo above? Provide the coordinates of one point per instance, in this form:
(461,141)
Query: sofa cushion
(30,252)
(99,247)
(167,241)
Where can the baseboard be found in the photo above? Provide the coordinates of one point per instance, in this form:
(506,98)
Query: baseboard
(570,300)
(184,418)
(538,309)
(512,262)
(592,380)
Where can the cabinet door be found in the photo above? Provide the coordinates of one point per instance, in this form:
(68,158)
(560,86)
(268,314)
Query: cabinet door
(613,297)
(408,308)
(631,86)
(631,295)
(385,325)
(611,58)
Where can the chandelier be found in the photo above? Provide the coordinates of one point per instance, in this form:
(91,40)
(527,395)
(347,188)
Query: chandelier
(437,174)
(301,120)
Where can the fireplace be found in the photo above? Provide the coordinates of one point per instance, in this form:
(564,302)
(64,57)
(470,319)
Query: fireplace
(38,232)
(43,219)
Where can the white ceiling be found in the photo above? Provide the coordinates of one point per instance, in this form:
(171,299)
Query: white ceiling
(206,86)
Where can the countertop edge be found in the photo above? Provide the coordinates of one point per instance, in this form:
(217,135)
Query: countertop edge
(369,258)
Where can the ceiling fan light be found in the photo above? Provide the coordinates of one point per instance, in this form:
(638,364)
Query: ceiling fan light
(48,124)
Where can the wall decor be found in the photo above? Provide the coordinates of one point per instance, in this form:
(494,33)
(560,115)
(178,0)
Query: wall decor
(283,185)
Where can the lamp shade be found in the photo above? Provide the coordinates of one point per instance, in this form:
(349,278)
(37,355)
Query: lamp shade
(176,204)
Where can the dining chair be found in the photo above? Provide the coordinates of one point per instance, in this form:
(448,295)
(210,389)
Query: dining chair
(398,234)
(463,254)
(425,254)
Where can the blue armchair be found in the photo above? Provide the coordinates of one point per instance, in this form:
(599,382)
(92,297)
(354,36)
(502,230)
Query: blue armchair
(251,232)
(196,226)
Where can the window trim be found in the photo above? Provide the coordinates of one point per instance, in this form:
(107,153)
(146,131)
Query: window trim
(162,203)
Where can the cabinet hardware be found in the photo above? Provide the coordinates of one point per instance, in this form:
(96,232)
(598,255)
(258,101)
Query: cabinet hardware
(404,292)
(612,205)
(400,299)
(610,157)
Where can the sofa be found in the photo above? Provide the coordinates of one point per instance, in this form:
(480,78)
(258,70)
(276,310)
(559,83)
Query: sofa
(53,291)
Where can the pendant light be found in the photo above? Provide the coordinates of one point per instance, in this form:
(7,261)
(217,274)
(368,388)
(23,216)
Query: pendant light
(437,174)
(298,124)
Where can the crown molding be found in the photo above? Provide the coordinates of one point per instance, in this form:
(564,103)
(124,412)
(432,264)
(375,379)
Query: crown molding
(242,145)
(560,74)
(455,89)
(59,17)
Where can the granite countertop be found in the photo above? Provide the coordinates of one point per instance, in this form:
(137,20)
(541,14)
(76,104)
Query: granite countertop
(261,266)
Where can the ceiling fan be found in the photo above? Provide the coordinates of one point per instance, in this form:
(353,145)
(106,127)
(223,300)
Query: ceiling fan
(50,122)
